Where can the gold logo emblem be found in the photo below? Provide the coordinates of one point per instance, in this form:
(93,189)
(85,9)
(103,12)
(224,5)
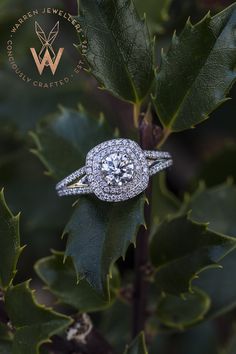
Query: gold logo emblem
(49,59)
(47,56)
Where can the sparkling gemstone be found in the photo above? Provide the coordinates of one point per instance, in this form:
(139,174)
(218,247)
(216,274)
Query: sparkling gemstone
(117,169)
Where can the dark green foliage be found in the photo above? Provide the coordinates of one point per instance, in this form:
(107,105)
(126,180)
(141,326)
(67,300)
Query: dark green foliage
(181,312)
(93,234)
(181,249)
(9,243)
(34,324)
(197,72)
(120,52)
(61,280)
(184,248)
(138,346)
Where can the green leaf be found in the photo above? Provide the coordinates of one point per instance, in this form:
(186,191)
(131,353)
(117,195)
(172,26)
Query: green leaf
(181,312)
(219,285)
(63,139)
(164,203)
(34,324)
(120,314)
(138,346)
(197,72)
(217,205)
(182,248)
(43,214)
(99,234)
(217,168)
(157,12)
(9,243)
(61,280)
(203,338)
(120,53)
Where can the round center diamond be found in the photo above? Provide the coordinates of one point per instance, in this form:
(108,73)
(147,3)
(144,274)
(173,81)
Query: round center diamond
(117,169)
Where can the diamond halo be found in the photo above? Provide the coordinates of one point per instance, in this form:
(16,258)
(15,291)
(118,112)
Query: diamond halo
(117,170)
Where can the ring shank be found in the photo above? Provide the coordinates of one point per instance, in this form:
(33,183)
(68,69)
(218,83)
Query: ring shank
(158,160)
(65,188)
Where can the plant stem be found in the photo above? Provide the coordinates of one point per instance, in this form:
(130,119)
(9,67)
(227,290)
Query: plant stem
(136,113)
(140,296)
(165,136)
(3,315)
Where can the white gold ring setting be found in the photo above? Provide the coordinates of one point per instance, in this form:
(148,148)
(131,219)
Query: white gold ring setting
(115,170)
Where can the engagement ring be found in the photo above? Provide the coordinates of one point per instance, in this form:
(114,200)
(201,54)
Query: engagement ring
(115,170)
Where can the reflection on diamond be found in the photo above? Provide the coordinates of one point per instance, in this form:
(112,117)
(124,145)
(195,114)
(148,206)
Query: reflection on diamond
(117,169)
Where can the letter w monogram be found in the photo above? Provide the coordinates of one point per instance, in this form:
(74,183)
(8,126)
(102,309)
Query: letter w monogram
(47,60)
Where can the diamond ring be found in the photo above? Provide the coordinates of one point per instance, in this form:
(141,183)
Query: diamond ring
(115,170)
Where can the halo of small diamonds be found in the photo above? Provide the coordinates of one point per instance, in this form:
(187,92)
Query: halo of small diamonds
(127,182)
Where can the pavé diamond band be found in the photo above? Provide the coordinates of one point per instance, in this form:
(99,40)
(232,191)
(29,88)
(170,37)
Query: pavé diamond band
(115,170)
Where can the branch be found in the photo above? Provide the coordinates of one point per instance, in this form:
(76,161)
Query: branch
(3,315)
(140,297)
(136,113)
(165,135)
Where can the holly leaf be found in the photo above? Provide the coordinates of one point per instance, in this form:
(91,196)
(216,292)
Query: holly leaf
(138,346)
(164,203)
(218,167)
(99,234)
(34,324)
(217,205)
(119,50)
(220,286)
(9,243)
(157,13)
(63,139)
(120,314)
(60,279)
(197,72)
(182,248)
(203,338)
(181,312)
